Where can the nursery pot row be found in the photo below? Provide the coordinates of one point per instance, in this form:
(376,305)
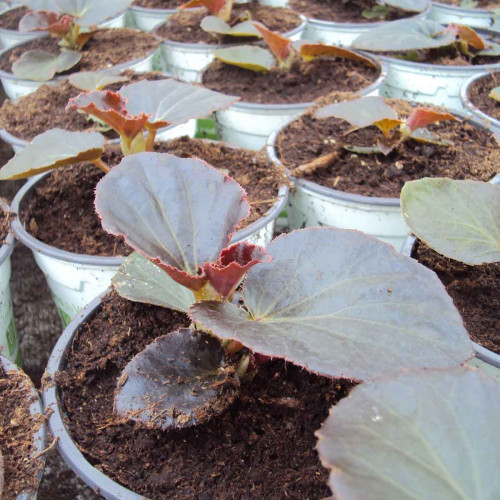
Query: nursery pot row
(475,18)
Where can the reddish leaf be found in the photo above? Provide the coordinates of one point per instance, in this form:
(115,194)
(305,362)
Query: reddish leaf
(214,6)
(280,46)
(467,34)
(420,117)
(83,38)
(109,107)
(44,20)
(182,277)
(310,51)
(232,265)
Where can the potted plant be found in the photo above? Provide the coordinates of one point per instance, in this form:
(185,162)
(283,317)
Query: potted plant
(9,22)
(76,256)
(476,14)
(23,434)
(350,159)
(428,62)
(272,83)
(148,14)
(190,36)
(81,46)
(480,96)
(457,226)
(9,345)
(182,387)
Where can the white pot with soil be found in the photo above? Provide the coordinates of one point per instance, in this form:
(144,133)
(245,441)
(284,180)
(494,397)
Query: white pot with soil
(452,12)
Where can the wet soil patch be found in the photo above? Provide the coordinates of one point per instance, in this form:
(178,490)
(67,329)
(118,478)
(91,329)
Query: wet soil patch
(478,94)
(44,109)
(159,4)
(108,47)
(343,11)
(474,290)
(305,82)
(262,447)
(184,26)
(4,225)
(473,155)
(16,434)
(9,20)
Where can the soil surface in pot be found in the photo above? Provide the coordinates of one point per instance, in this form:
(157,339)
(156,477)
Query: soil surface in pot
(9,20)
(108,47)
(305,82)
(44,109)
(4,225)
(474,154)
(474,290)
(343,11)
(17,427)
(262,447)
(480,4)
(159,4)
(184,26)
(60,212)
(478,94)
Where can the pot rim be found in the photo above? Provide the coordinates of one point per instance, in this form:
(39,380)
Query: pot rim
(469,106)
(456,9)
(9,243)
(352,197)
(36,410)
(482,353)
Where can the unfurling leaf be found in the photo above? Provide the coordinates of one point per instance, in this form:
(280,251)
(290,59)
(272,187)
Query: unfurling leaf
(246,56)
(94,80)
(110,107)
(54,148)
(495,94)
(429,434)
(45,21)
(467,35)
(178,212)
(280,46)
(386,125)
(373,312)
(310,51)
(213,24)
(459,219)
(179,380)
(420,117)
(41,66)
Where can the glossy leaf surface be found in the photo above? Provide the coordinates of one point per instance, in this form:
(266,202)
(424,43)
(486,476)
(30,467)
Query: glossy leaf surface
(311,51)
(408,5)
(459,219)
(140,280)
(94,80)
(342,304)
(429,434)
(44,21)
(178,212)
(91,12)
(246,56)
(178,381)
(279,45)
(54,148)
(213,24)
(172,102)
(41,66)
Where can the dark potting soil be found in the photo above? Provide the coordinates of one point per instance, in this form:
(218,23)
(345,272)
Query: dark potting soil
(473,155)
(17,427)
(263,446)
(339,11)
(184,26)
(305,82)
(480,4)
(44,109)
(9,20)
(4,225)
(108,47)
(61,212)
(478,94)
(474,290)
(159,4)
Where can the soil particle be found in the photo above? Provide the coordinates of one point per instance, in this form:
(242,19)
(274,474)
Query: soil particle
(478,94)
(16,434)
(474,290)
(474,154)
(4,225)
(106,48)
(184,26)
(9,20)
(262,447)
(305,82)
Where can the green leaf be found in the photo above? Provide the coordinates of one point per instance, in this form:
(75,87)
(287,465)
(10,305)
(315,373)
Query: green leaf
(408,5)
(179,380)
(459,219)
(213,24)
(139,280)
(172,102)
(376,12)
(54,148)
(342,304)
(423,435)
(495,94)
(246,56)
(41,66)
(404,35)
(468,4)
(94,80)
(91,12)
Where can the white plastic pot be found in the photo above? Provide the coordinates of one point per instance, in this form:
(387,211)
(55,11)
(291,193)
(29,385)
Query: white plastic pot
(9,343)
(186,61)
(9,38)
(249,125)
(147,19)
(482,117)
(475,18)
(482,353)
(40,436)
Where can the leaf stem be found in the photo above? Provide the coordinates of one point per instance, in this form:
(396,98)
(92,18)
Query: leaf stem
(150,139)
(102,165)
